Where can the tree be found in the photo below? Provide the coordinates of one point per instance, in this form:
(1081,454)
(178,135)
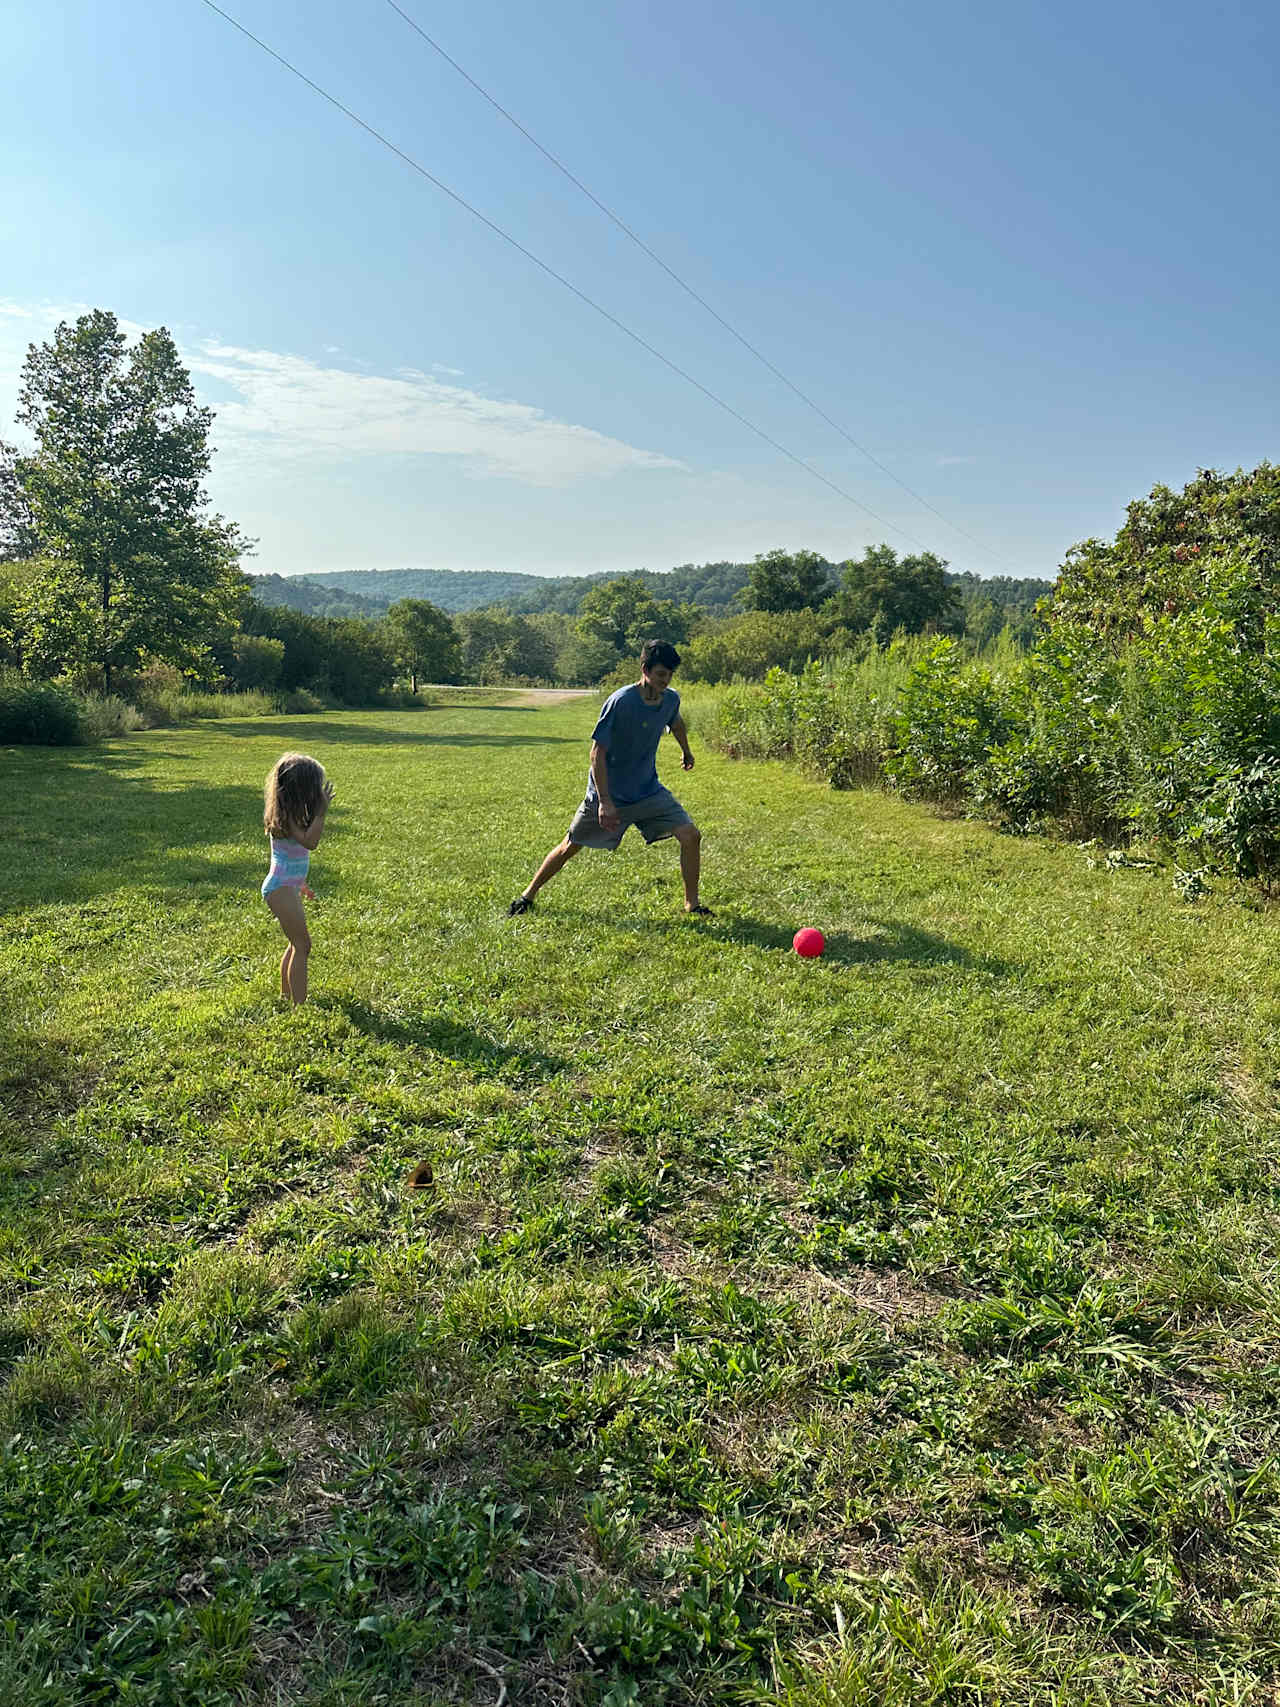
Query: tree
(136,564)
(359,663)
(18,537)
(623,614)
(497,645)
(883,593)
(749,646)
(1165,556)
(787,580)
(255,661)
(423,641)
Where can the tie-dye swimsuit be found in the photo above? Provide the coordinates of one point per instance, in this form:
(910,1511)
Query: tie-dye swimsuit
(289,863)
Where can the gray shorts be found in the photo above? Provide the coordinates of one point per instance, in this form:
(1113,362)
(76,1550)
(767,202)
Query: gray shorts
(656,816)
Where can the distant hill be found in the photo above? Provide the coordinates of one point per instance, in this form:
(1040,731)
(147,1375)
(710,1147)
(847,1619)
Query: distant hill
(302,593)
(714,586)
(368,592)
(375,589)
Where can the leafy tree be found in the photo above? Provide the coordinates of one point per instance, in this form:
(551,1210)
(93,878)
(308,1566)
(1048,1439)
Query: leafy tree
(623,614)
(18,536)
(1163,560)
(787,580)
(359,662)
(136,564)
(423,641)
(256,661)
(751,645)
(882,593)
(305,639)
(498,646)
(16,581)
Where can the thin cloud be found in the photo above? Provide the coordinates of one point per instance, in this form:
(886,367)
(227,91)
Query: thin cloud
(955,461)
(274,409)
(288,409)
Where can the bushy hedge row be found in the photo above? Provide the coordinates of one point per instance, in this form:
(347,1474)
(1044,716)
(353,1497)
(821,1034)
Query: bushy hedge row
(50,714)
(38,713)
(1174,738)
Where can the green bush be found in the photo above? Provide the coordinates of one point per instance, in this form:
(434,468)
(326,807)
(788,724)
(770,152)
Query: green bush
(301,702)
(951,712)
(257,661)
(37,714)
(1059,756)
(102,715)
(836,718)
(1200,712)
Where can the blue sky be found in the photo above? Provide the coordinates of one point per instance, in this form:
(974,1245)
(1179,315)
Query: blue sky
(1025,254)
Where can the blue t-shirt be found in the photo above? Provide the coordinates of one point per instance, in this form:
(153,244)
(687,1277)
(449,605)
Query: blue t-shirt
(629,731)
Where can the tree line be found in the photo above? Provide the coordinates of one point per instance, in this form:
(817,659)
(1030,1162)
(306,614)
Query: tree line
(113,565)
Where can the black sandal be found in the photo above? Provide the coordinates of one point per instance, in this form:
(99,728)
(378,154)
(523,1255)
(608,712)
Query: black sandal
(521,904)
(705,912)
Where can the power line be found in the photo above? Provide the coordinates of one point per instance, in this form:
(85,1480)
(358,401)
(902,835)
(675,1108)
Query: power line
(559,277)
(684,285)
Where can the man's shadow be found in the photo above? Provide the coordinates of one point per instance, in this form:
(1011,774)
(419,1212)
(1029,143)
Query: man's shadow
(884,940)
(483,1055)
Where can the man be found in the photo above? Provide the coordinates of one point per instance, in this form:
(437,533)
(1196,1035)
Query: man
(622,780)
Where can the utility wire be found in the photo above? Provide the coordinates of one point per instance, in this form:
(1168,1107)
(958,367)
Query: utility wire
(684,285)
(560,278)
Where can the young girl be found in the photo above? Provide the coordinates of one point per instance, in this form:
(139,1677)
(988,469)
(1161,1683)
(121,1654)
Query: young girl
(296,799)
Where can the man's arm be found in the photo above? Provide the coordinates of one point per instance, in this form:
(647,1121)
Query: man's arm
(600,776)
(682,736)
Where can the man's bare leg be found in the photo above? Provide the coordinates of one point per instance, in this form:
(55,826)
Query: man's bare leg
(690,840)
(555,861)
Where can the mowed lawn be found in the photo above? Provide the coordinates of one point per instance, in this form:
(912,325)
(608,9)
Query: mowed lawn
(894,1328)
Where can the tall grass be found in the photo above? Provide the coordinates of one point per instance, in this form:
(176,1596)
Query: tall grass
(838,717)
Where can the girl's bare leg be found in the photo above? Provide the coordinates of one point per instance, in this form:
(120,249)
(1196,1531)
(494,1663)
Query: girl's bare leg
(287,906)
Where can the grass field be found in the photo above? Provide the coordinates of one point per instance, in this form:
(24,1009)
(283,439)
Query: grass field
(896,1328)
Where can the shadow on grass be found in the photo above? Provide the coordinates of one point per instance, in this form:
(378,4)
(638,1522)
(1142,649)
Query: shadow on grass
(885,940)
(320,731)
(448,1038)
(87,827)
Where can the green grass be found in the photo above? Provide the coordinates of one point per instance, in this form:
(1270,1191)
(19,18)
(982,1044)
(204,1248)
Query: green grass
(895,1328)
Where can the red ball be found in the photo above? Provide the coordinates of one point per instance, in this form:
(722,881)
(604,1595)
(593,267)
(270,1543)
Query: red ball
(809,942)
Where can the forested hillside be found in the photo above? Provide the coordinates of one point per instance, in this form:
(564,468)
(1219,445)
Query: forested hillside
(378,589)
(312,598)
(369,592)
(715,587)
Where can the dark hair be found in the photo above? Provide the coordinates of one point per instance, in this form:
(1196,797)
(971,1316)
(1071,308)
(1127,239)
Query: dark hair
(292,795)
(659,652)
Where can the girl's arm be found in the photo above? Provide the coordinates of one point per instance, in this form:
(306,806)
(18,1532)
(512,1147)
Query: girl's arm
(315,829)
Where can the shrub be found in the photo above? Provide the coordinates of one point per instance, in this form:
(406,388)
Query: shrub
(157,691)
(835,718)
(300,703)
(951,713)
(1059,755)
(102,715)
(748,647)
(37,713)
(257,661)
